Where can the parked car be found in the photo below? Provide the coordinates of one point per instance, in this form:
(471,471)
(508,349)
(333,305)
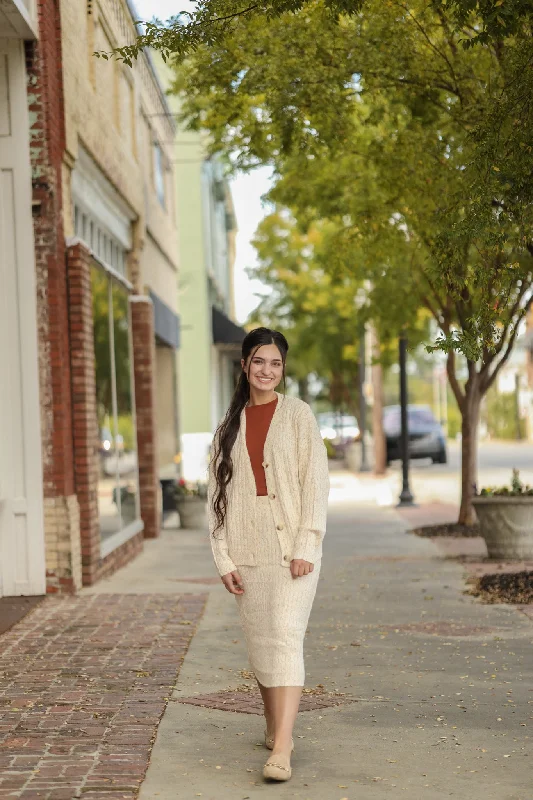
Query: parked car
(106,442)
(426,436)
(339,429)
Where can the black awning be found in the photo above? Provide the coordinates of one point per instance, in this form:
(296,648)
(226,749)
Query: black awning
(166,322)
(224,330)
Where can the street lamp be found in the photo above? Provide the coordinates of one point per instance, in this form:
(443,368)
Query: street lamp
(406,497)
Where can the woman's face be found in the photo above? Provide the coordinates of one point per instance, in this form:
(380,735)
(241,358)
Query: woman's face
(264,368)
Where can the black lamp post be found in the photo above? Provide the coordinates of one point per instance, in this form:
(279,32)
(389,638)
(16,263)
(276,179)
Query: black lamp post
(406,497)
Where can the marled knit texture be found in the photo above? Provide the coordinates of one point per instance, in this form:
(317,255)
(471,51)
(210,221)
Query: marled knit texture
(274,609)
(296,469)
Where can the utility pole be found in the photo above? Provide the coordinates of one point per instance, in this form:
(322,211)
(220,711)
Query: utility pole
(363,467)
(380,447)
(444,388)
(406,498)
(517,405)
(436,393)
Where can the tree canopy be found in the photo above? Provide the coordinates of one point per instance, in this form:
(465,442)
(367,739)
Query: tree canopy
(213,21)
(322,310)
(372,123)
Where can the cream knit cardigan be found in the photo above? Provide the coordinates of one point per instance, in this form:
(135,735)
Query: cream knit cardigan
(296,469)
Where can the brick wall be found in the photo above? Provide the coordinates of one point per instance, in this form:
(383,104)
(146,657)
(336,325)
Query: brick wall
(84,406)
(142,325)
(47,146)
(63,546)
(121,556)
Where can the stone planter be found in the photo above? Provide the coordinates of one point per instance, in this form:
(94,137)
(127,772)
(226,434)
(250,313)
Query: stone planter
(506,525)
(192,511)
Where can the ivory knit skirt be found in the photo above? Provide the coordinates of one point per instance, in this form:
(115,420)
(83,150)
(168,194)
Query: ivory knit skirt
(274,609)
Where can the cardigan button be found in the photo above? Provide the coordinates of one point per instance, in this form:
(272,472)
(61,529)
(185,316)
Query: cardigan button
(266,465)
(286,558)
(272,496)
(279,527)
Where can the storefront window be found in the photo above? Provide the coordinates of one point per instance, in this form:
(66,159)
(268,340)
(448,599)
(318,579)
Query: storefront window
(117,452)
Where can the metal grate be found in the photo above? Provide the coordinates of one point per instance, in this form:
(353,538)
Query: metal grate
(248,701)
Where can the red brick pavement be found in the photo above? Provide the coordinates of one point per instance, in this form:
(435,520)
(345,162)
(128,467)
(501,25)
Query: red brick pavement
(84,682)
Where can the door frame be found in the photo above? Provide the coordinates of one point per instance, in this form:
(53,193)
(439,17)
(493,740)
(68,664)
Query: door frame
(22,542)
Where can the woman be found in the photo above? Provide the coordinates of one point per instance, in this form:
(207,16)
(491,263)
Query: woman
(267,501)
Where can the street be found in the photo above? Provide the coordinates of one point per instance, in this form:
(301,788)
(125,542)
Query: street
(441,482)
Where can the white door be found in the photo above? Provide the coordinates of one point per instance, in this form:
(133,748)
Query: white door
(22,560)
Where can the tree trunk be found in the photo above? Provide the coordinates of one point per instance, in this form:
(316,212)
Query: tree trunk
(303,389)
(469,427)
(342,397)
(380,448)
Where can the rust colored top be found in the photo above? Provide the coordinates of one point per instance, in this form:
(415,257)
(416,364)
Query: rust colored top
(258,419)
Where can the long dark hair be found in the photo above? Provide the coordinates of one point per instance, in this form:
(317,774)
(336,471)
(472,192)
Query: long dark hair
(228,429)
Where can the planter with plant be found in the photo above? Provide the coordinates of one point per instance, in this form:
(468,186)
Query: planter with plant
(506,519)
(191,499)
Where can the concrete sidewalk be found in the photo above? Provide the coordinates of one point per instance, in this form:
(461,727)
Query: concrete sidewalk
(437,687)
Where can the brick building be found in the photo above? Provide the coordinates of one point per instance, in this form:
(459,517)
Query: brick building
(105,274)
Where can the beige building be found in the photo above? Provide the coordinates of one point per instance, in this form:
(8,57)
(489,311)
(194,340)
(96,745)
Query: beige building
(118,200)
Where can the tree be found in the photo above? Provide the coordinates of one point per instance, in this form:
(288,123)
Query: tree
(369,128)
(499,18)
(316,311)
(214,21)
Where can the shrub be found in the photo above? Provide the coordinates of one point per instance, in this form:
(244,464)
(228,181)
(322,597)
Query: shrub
(516,488)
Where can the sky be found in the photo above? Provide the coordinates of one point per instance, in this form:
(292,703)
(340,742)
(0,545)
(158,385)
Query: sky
(247,189)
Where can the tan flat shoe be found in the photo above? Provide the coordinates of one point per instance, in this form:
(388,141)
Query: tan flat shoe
(269,742)
(272,771)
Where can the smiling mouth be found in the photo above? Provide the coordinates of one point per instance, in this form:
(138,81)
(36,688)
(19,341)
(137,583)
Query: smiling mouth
(264,380)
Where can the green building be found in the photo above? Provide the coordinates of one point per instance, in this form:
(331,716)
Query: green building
(210,340)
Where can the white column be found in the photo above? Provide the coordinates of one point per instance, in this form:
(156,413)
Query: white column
(22,560)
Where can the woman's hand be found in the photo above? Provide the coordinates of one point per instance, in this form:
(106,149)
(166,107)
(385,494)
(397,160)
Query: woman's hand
(299,567)
(233,583)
